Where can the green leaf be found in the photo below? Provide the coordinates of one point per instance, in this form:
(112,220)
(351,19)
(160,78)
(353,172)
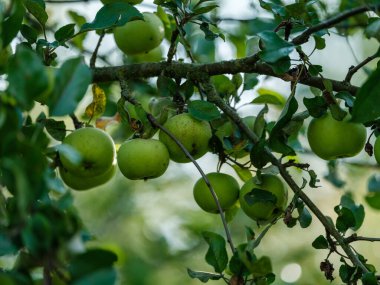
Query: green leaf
(27,77)
(250,81)
(261,267)
(112,15)
(347,97)
(29,33)
(333,174)
(11,25)
(252,244)
(305,217)
(203,276)
(374,184)
(278,139)
(244,173)
(216,255)
(92,261)
(37,10)
(281,66)
(373,200)
(57,129)
(314,70)
(373,196)
(258,195)
(106,276)
(367,100)
(373,30)
(267,96)
(6,245)
(203,110)
(258,155)
(328,85)
(275,48)
(64,33)
(350,215)
(320,42)
(320,243)
(369,279)
(166,86)
(72,81)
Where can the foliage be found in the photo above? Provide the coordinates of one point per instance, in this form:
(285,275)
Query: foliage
(42,91)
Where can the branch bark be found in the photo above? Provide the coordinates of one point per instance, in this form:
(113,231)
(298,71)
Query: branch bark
(177,70)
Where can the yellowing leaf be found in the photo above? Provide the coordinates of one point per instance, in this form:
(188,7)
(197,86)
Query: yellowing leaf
(98,105)
(267,96)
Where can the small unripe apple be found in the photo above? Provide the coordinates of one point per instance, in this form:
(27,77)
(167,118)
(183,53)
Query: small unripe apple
(137,37)
(96,150)
(84,183)
(192,133)
(261,210)
(142,158)
(225,187)
(376,149)
(331,139)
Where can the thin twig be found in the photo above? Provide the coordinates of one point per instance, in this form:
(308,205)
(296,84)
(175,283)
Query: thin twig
(353,69)
(304,37)
(188,155)
(355,237)
(95,53)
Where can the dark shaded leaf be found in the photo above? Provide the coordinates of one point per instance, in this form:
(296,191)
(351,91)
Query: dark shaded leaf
(320,243)
(365,107)
(203,110)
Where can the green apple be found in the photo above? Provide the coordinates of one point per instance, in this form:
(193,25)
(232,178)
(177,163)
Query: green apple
(96,149)
(225,187)
(137,37)
(331,139)
(153,55)
(192,133)
(132,2)
(84,183)
(142,158)
(376,149)
(267,206)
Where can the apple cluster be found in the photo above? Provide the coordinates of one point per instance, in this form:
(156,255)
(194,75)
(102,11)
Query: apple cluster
(261,198)
(88,157)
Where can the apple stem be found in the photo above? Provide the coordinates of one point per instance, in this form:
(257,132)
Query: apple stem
(183,148)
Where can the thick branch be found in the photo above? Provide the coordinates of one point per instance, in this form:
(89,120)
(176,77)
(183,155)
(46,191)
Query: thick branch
(183,70)
(304,37)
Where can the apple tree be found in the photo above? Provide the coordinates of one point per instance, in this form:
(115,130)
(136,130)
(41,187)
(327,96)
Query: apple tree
(177,99)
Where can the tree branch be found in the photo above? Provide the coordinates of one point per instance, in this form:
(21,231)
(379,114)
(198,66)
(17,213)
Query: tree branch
(304,37)
(214,98)
(249,64)
(355,237)
(353,69)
